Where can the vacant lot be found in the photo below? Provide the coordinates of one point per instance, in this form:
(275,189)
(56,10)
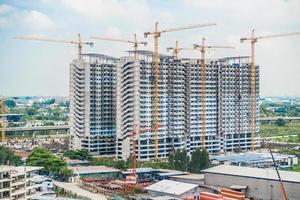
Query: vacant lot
(268,130)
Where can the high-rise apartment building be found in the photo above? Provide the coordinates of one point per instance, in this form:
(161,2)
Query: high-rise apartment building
(227,121)
(92,104)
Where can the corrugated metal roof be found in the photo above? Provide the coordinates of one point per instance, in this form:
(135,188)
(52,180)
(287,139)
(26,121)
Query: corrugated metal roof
(249,158)
(171,187)
(251,172)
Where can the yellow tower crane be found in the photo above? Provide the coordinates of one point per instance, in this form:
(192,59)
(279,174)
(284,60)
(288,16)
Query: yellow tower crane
(254,39)
(135,43)
(203,47)
(176,50)
(3,120)
(78,42)
(156,34)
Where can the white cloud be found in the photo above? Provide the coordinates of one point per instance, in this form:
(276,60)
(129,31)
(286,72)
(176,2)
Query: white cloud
(38,20)
(28,19)
(4,9)
(103,9)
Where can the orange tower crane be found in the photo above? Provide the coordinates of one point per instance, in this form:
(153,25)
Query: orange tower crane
(133,177)
(254,39)
(3,120)
(203,47)
(176,50)
(156,34)
(78,42)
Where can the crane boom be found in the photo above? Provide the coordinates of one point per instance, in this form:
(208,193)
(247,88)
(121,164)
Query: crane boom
(156,34)
(79,43)
(253,40)
(182,28)
(117,40)
(202,47)
(3,120)
(271,36)
(135,42)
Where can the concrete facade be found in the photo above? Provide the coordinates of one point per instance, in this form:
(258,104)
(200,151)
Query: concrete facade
(227,105)
(92,104)
(16,183)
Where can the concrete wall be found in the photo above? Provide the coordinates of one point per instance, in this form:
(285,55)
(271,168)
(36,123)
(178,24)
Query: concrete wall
(257,188)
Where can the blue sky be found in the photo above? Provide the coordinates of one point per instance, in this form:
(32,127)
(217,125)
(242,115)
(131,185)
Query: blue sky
(40,68)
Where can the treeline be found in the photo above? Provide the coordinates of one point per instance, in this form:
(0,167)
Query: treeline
(179,160)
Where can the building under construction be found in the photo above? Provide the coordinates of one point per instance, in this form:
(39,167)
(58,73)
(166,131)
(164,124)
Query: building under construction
(227,105)
(92,104)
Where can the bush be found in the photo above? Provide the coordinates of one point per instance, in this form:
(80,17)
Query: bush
(280,122)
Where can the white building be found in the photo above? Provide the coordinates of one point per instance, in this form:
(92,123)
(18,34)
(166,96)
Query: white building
(16,182)
(174,189)
(227,105)
(92,104)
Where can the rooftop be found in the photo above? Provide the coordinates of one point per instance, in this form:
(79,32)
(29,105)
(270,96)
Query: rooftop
(258,173)
(93,169)
(248,158)
(171,187)
(75,189)
(190,176)
(20,169)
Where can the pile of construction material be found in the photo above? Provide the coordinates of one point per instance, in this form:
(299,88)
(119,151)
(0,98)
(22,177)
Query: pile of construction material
(111,187)
(226,194)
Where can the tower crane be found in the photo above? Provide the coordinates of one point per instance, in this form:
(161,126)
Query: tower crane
(203,47)
(77,42)
(135,43)
(254,39)
(156,34)
(176,50)
(3,120)
(133,178)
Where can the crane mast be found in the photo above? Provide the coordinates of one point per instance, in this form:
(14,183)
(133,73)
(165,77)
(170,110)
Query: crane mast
(202,49)
(156,34)
(253,40)
(3,120)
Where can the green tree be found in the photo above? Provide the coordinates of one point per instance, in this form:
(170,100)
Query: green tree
(49,102)
(120,164)
(8,156)
(42,157)
(280,122)
(171,161)
(10,103)
(66,173)
(82,154)
(31,111)
(199,160)
(181,160)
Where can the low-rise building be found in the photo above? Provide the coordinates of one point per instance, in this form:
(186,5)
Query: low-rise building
(16,182)
(173,189)
(260,183)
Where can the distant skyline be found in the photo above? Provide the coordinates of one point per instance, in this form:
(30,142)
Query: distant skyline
(31,68)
